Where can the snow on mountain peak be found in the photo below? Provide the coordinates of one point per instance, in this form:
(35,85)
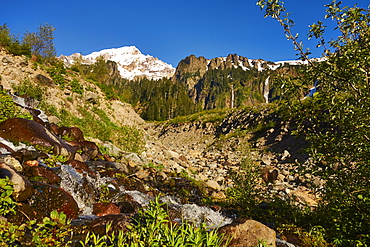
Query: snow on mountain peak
(131,62)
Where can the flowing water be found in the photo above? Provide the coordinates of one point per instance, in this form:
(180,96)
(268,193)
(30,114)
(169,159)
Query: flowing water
(85,189)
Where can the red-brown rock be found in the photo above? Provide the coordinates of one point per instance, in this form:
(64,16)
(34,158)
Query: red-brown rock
(89,149)
(80,166)
(48,198)
(73,133)
(105,208)
(45,174)
(24,130)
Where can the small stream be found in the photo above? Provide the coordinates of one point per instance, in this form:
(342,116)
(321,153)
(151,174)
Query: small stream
(86,189)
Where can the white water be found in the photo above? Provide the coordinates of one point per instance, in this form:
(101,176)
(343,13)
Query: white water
(74,183)
(266,90)
(197,214)
(13,147)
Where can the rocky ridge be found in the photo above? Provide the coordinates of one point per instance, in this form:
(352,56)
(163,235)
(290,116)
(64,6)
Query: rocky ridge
(192,68)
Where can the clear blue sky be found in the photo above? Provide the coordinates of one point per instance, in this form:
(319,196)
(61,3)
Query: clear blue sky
(167,29)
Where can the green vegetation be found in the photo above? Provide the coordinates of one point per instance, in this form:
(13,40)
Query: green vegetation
(208,116)
(335,120)
(12,44)
(41,42)
(76,87)
(52,231)
(95,123)
(38,43)
(29,89)
(7,205)
(8,109)
(152,227)
(57,72)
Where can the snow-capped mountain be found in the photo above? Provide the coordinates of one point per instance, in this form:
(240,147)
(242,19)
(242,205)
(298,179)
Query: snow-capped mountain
(131,62)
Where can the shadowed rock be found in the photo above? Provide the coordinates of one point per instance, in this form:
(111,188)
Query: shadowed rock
(43,174)
(73,133)
(80,167)
(89,149)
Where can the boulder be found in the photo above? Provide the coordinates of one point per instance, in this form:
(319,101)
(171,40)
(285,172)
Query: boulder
(40,173)
(73,133)
(24,130)
(213,185)
(105,208)
(12,162)
(89,149)
(48,198)
(80,167)
(248,233)
(7,60)
(22,187)
(43,80)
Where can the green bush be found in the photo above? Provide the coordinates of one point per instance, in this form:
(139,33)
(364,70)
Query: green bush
(7,205)
(12,44)
(29,89)
(335,121)
(52,231)
(7,107)
(76,87)
(57,71)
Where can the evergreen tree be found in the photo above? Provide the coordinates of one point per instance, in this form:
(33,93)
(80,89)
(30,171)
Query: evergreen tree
(12,43)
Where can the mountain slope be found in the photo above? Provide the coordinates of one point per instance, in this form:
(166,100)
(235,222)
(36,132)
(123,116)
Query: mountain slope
(132,64)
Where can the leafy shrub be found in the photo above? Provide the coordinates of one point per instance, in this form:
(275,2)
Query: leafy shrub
(57,72)
(12,44)
(245,191)
(52,231)
(95,123)
(7,107)
(7,205)
(335,121)
(10,233)
(29,89)
(76,87)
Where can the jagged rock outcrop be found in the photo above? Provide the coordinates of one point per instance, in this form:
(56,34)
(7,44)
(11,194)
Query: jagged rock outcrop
(223,81)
